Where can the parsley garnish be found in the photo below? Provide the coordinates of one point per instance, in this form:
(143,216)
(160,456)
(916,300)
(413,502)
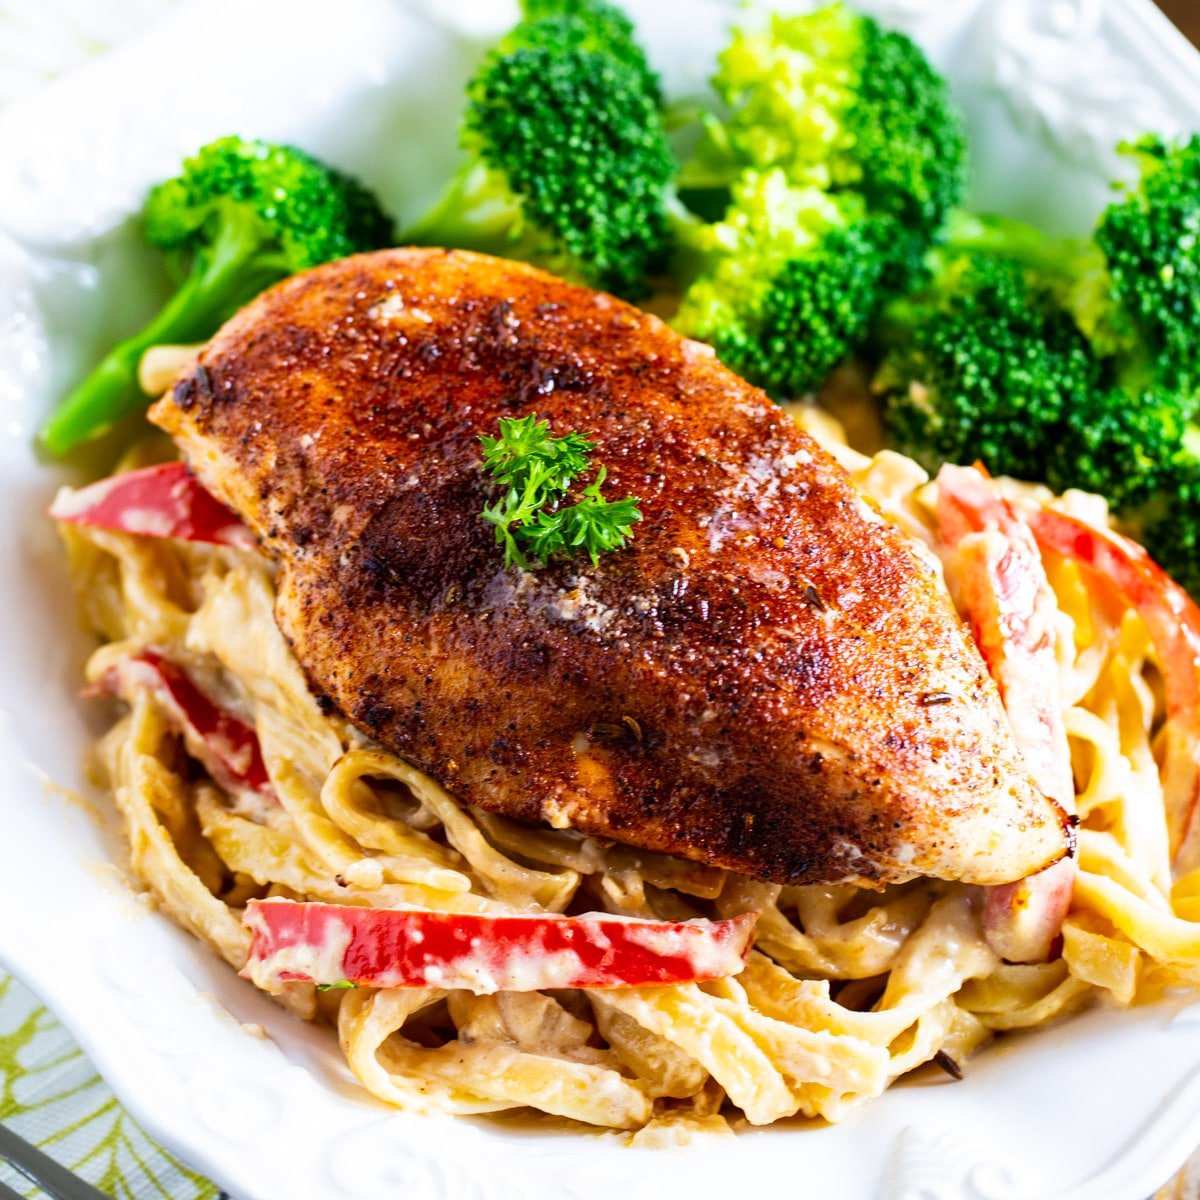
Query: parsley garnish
(535,470)
(335,987)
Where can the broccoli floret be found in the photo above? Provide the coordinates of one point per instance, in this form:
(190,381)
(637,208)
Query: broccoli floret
(788,282)
(1151,244)
(240,216)
(1072,362)
(981,365)
(1169,527)
(1125,445)
(1134,286)
(310,213)
(831,97)
(990,363)
(567,162)
(596,26)
(838,161)
(1119,430)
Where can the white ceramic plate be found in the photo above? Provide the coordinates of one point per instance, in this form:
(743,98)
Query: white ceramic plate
(1102,1108)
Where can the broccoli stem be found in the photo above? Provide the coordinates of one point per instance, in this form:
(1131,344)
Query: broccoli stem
(1077,274)
(1073,268)
(691,243)
(476,211)
(714,165)
(1055,258)
(224,277)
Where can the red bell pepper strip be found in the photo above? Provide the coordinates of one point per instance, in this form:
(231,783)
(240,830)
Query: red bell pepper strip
(1011,607)
(162,501)
(993,559)
(335,944)
(1173,622)
(226,747)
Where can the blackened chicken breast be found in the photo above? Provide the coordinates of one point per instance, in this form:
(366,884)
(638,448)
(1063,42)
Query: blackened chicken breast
(766,679)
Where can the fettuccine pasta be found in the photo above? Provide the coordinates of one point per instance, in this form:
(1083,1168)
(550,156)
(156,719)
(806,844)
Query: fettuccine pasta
(846,989)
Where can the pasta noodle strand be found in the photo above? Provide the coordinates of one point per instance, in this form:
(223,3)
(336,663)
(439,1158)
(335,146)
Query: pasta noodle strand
(845,991)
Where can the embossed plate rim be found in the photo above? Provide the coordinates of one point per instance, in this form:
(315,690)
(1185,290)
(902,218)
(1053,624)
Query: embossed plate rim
(278,1118)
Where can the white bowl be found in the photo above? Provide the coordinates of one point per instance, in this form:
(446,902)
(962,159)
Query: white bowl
(1103,1107)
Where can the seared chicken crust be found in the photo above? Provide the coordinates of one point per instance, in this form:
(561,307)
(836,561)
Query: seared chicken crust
(766,679)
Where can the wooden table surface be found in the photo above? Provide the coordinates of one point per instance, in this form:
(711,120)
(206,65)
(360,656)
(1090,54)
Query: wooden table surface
(1185,14)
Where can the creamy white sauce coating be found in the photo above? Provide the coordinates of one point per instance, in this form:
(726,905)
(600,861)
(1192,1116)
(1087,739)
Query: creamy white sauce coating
(707,956)
(322,962)
(72,502)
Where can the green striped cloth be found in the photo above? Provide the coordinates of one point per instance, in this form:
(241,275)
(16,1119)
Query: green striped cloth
(51,1095)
